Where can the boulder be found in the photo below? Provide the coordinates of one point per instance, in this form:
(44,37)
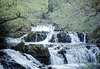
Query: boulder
(81,37)
(20,47)
(36,36)
(57,28)
(7,63)
(62,52)
(39,52)
(62,37)
(3,46)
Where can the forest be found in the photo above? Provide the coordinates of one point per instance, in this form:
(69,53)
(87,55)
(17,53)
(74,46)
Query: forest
(58,21)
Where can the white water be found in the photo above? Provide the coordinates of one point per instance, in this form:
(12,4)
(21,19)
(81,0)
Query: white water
(1,67)
(74,37)
(55,58)
(76,51)
(23,60)
(84,37)
(51,32)
(43,28)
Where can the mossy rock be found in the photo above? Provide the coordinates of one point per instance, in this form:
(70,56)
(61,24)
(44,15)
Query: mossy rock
(20,47)
(40,52)
(36,36)
(62,38)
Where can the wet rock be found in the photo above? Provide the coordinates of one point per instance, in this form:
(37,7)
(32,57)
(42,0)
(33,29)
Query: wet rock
(62,37)
(49,67)
(81,36)
(88,47)
(36,36)
(20,47)
(62,52)
(98,57)
(3,46)
(40,52)
(57,28)
(8,63)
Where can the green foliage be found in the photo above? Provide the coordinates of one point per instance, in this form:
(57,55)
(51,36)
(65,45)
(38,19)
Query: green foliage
(20,47)
(31,9)
(7,8)
(40,52)
(78,15)
(72,15)
(4,32)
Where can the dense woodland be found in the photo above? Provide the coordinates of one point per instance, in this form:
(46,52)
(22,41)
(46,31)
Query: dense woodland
(71,15)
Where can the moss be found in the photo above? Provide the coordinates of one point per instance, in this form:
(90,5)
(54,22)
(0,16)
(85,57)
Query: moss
(36,36)
(20,47)
(40,52)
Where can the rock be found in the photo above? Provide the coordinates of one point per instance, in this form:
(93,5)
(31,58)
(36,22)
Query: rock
(62,38)
(20,47)
(81,36)
(36,36)
(88,47)
(49,67)
(62,52)
(39,52)
(57,28)
(98,57)
(3,46)
(7,63)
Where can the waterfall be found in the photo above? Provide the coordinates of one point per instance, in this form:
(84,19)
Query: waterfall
(51,33)
(80,55)
(74,37)
(56,59)
(63,55)
(74,53)
(26,61)
(1,67)
(84,37)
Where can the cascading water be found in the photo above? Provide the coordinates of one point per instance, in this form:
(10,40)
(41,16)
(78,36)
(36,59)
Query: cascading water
(1,67)
(84,37)
(26,61)
(73,52)
(74,37)
(56,59)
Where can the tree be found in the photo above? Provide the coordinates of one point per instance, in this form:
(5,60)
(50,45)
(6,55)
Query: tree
(9,11)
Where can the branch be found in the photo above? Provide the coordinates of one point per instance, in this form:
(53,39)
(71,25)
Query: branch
(10,19)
